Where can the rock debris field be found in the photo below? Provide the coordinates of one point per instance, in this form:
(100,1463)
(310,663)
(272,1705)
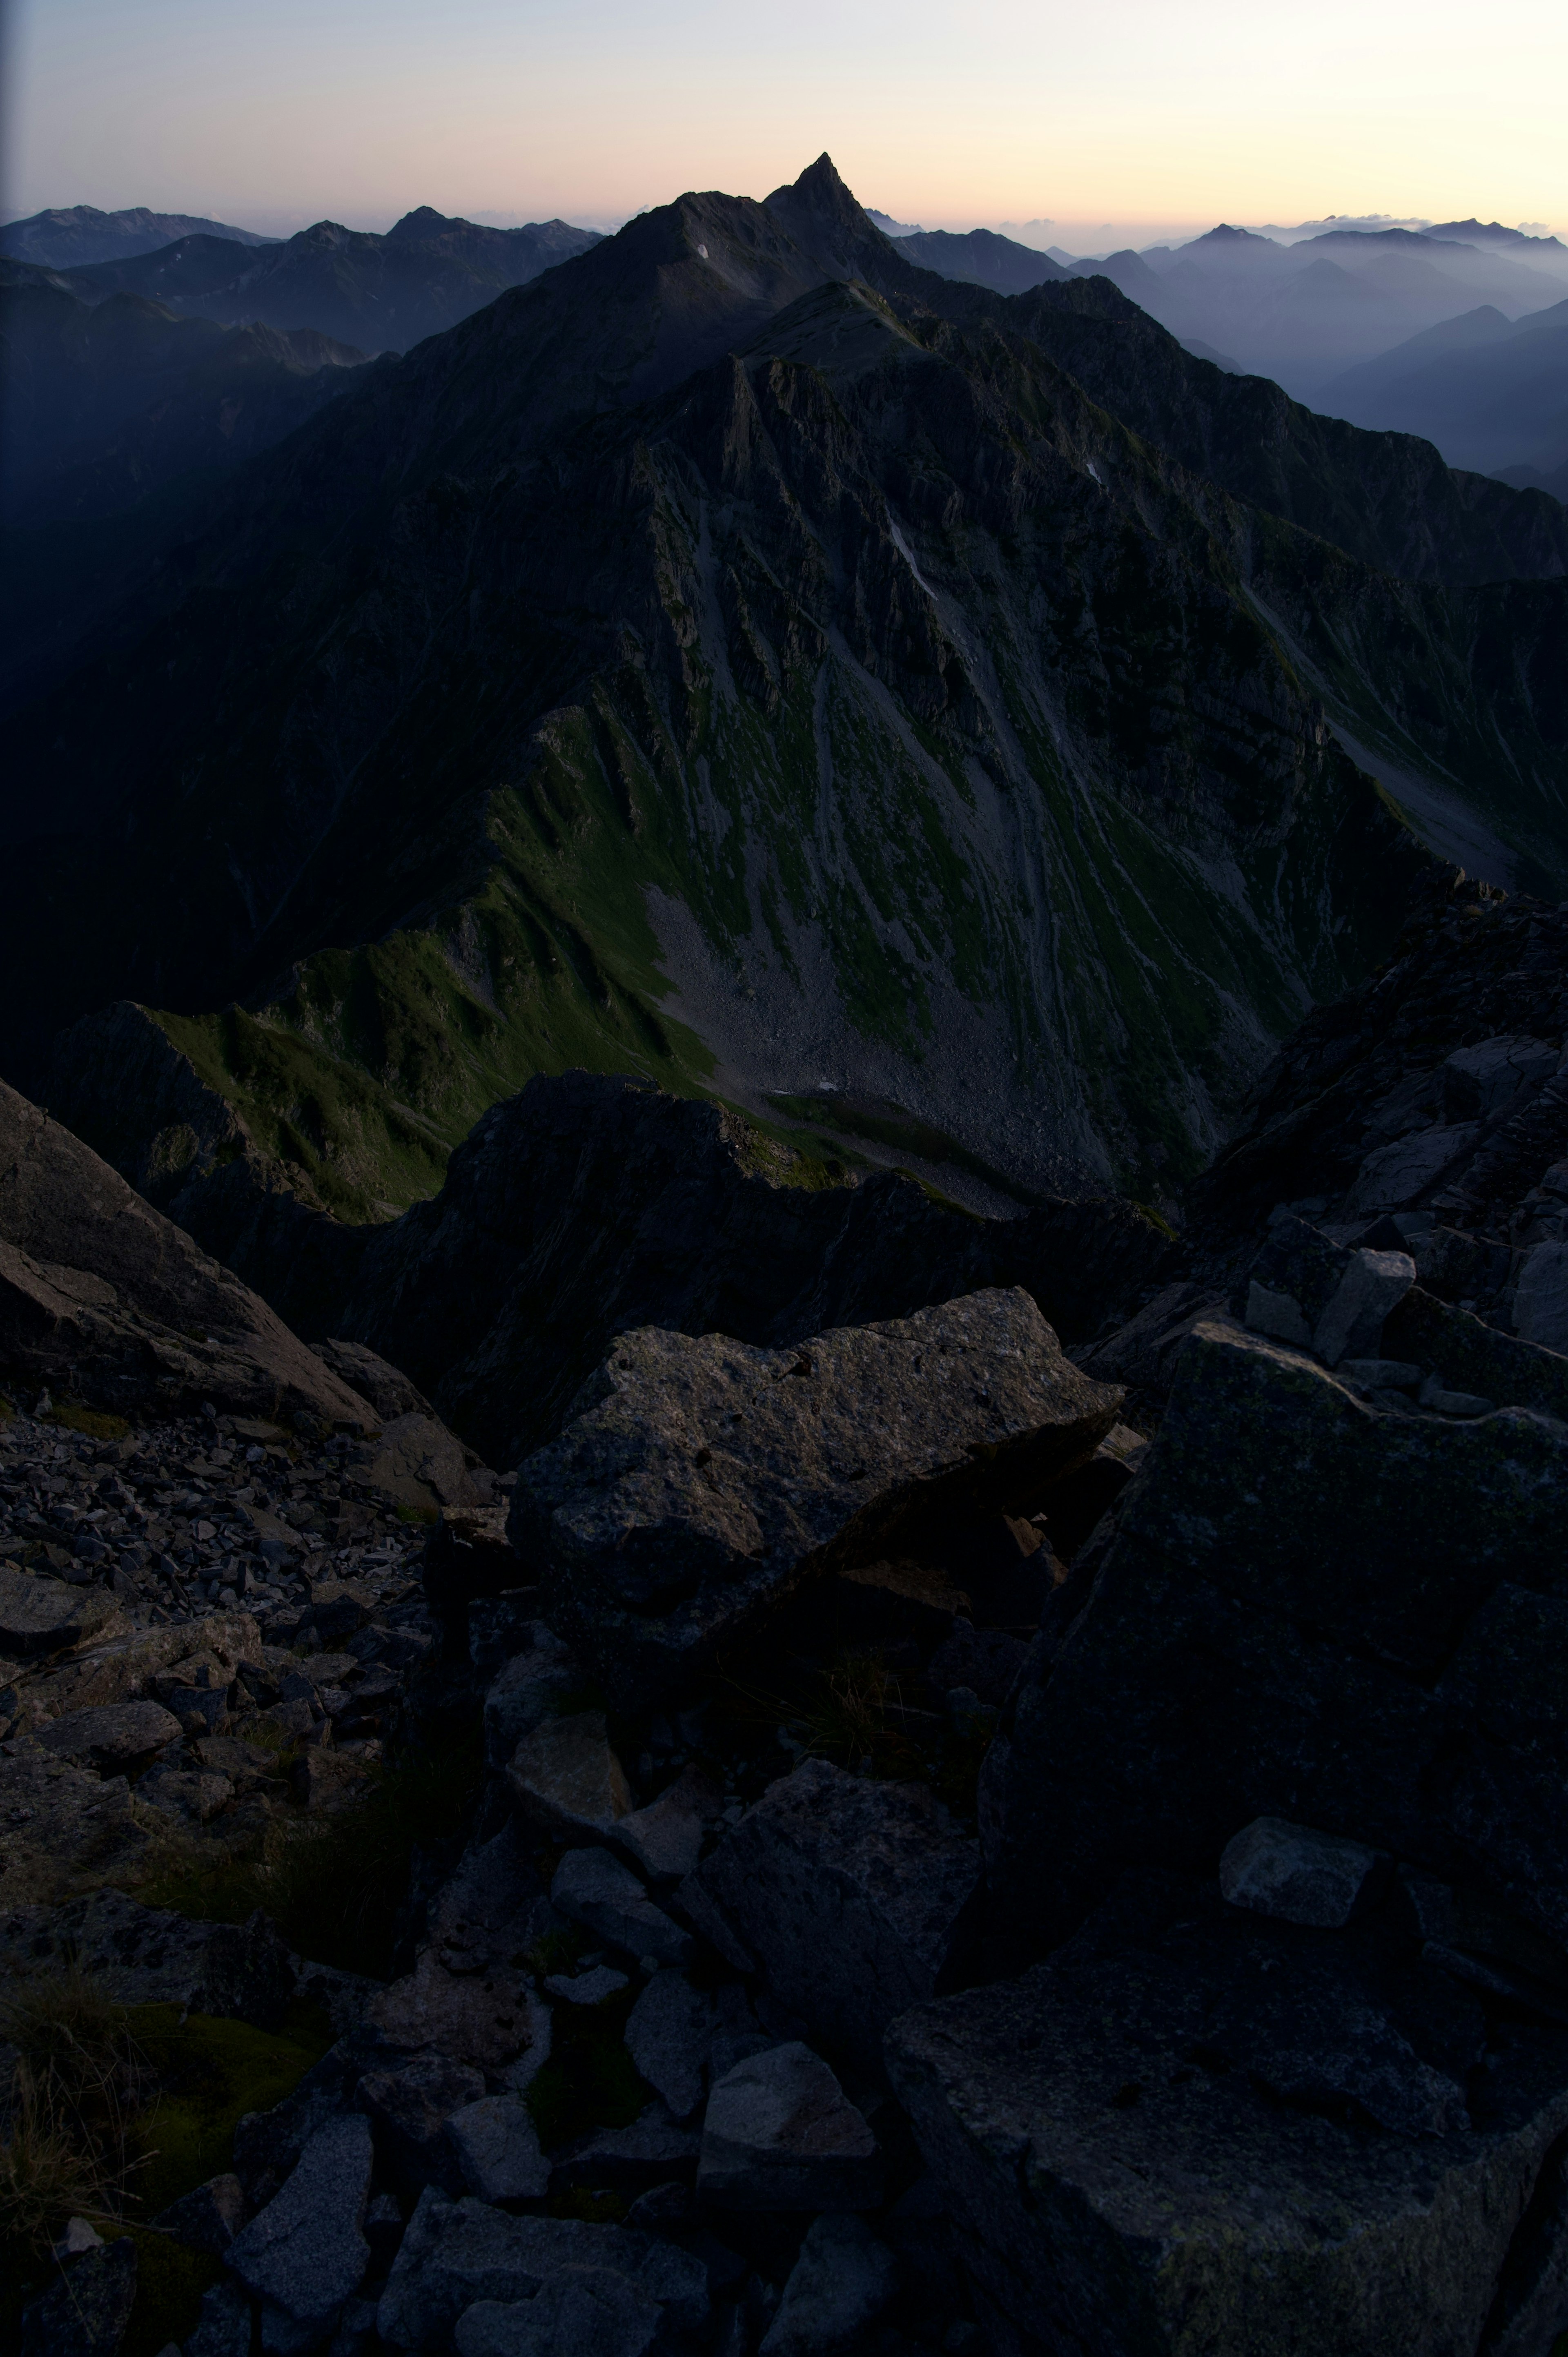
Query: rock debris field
(965,1843)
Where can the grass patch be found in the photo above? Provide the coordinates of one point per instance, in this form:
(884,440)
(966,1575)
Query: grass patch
(335,1889)
(75,1417)
(590,2079)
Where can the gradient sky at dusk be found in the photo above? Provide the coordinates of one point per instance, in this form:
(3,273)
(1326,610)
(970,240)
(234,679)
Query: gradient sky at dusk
(1117,122)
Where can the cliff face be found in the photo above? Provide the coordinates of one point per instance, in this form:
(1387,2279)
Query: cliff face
(745,659)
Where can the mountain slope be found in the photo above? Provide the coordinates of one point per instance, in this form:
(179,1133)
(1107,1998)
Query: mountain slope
(69,234)
(1494,396)
(744,657)
(381,293)
(981,258)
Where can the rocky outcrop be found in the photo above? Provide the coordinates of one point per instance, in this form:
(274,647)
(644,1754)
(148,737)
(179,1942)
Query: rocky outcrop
(704,1482)
(101,1295)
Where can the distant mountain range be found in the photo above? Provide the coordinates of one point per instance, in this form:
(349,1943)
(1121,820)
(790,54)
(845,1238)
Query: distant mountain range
(1489,391)
(741,655)
(72,235)
(379,293)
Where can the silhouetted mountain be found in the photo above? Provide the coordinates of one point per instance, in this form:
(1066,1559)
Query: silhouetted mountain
(743,656)
(1489,392)
(381,293)
(70,235)
(981,258)
(1530,478)
(103,405)
(1474,232)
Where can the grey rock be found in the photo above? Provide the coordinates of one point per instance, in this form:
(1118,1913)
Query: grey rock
(489,2017)
(581,2312)
(306,2253)
(665,1839)
(702,1911)
(455,2253)
(1540,1299)
(85,2312)
(1292,1574)
(417,1462)
(1298,1875)
(528,1690)
(191,1794)
(1351,1324)
(593,1987)
(123,1735)
(652,2151)
(595,1890)
(386,1387)
(208,2218)
(857,1897)
(410,2109)
(1277,1314)
(226,2325)
(46,1616)
(669,2034)
(838,2288)
(708,1479)
(102,1294)
(1139,2141)
(779,2134)
(1479,1082)
(497,2147)
(1394,1176)
(1442,1402)
(565,1778)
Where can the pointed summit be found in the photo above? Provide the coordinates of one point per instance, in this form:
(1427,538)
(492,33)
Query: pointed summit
(823,216)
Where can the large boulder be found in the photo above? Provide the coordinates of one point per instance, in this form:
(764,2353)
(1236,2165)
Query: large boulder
(858,1897)
(1314,1610)
(704,1480)
(101,1295)
(1191,2130)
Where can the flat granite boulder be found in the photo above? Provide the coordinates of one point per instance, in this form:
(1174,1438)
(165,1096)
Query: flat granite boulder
(704,1479)
(1198,2137)
(115,1737)
(46,1616)
(856,1898)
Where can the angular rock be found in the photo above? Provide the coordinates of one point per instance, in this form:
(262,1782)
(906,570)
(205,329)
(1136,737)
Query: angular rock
(709,1478)
(46,1616)
(496,2148)
(386,1387)
(1395,1176)
(227,2324)
(1351,1324)
(1540,1299)
(528,1690)
(1480,1080)
(565,1778)
(119,1738)
(208,2218)
(409,2110)
(875,1601)
(858,1897)
(1163,2144)
(124,1667)
(417,1462)
(593,1888)
(455,2253)
(838,2288)
(1293,1571)
(779,2134)
(1277,1314)
(652,2151)
(1298,1875)
(490,2020)
(306,2253)
(101,1294)
(593,1987)
(697,1904)
(665,1839)
(85,2312)
(580,2312)
(669,2033)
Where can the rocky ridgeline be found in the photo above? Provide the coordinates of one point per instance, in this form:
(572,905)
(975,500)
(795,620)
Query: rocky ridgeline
(964,1864)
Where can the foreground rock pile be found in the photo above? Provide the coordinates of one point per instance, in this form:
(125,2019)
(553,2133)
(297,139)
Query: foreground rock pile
(970,1858)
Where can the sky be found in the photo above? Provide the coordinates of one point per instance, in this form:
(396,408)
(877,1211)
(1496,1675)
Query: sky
(1119,124)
